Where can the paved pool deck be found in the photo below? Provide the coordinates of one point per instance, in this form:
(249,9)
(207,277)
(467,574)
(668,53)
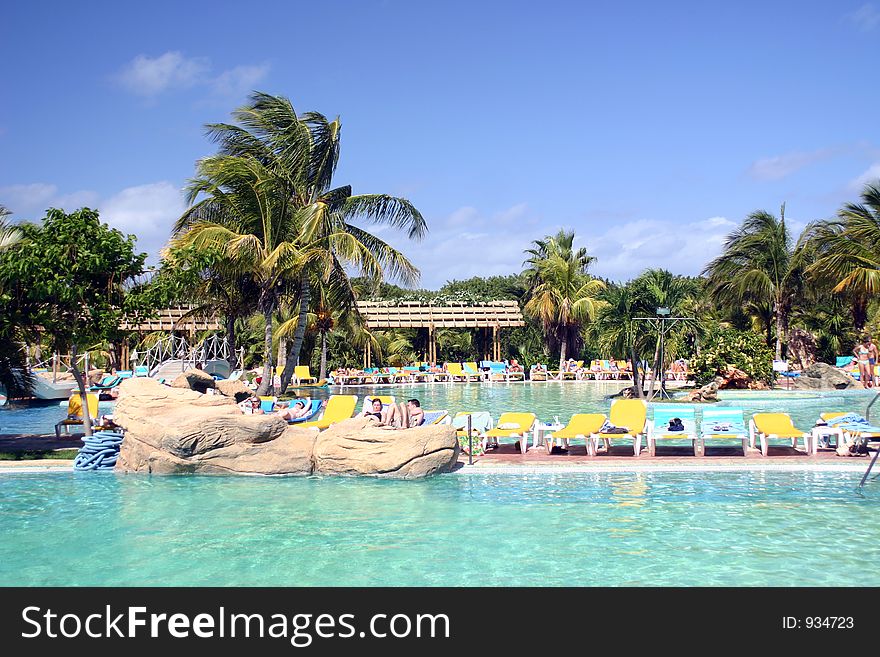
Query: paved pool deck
(507,458)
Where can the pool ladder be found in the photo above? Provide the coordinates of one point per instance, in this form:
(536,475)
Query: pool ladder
(877,452)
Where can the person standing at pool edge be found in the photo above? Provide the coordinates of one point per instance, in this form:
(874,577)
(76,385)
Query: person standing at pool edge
(866,356)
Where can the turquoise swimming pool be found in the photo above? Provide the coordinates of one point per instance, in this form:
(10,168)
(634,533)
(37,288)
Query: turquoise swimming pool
(637,528)
(562,400)
(547,400)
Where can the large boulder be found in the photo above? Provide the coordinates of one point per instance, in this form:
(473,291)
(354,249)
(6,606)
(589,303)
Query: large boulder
(822,376)
(359,447)
(176,430)
(708,393)
(235,389)
(194,379)
(733,378)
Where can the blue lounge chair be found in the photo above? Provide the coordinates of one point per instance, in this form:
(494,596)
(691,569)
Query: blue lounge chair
(313,411)
(724,424)
(107,383)
(658,429)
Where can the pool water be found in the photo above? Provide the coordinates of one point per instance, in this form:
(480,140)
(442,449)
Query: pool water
(548,400)
(39,417)
(637,528)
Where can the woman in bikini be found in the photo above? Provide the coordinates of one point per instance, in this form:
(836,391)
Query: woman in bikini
(866,355)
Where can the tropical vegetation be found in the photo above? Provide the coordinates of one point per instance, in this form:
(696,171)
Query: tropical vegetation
(280,254)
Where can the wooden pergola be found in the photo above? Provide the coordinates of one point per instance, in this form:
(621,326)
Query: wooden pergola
(493,315)
(172,319)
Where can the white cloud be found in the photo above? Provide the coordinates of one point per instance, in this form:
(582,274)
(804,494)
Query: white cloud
(866,17)
(148,76)
(872,174)
(781,166)
(151,76)
(26,200)
(239,80)
(469,242)
(683,248)
(146,211)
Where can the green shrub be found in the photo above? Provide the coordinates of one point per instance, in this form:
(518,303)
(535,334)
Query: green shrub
(724,347)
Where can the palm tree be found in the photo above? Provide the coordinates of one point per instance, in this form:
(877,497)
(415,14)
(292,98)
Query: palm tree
(9,234)
(616,329)
(847,251)
(265,202)
(658,288)
(300,154)
(760,269)
(211,282)
(563,295)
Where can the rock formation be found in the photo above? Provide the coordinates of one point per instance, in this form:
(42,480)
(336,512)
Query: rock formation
(822,376)
(178,430)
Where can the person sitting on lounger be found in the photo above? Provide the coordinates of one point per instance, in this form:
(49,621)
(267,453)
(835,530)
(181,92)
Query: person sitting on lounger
(376,410)
(404,416)
(515,366)
(299,409)
(251,406)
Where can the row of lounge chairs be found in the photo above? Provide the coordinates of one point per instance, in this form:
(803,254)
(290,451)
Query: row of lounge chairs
(627,421)
(599,370)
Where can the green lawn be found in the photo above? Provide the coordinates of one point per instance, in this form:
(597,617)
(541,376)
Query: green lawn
(34,454)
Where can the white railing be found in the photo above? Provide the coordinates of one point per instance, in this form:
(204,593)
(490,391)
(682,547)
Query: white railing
(176,347)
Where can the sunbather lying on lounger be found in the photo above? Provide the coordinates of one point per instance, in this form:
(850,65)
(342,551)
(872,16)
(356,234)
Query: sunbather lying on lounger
(299,409)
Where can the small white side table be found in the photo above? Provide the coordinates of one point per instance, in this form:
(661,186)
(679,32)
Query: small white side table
(822,434)
(541,430)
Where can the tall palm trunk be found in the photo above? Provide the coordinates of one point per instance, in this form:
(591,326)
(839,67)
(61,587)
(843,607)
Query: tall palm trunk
(81,384)
(637,383)
(230,342)
(780,331)
(657,369)
(282,351)
(299,334)
(859,312)
(323,373)
(267,385)
(563,351)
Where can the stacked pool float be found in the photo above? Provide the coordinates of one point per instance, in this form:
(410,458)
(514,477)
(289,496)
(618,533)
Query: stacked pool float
(99,451)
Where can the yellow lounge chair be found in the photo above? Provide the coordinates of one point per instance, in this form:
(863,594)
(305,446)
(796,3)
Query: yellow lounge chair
(457,373)
(581,425)
(470,368)
(75,412)
(629,413)
(302,374)
(512,425)
(339,407)
(765,426)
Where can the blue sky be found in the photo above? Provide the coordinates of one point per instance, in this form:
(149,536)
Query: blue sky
(651,129)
